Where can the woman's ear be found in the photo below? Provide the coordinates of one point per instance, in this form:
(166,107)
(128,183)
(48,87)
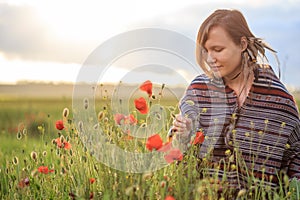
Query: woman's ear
(244,43)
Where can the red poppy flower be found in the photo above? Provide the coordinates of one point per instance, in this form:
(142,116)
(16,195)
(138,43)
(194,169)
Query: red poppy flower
(154,142)
(169,197)
(45,170)
(92,180)
(147,87)
(67,145)
(165,147)
(118,118)
(174,154)
(141,105)
(199,138)
(58,142)
(130,119)
(128,137)
(24,182)
(59,124)
(64,144)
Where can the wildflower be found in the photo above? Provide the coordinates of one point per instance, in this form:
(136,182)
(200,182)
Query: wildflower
(241,193)
(199,138)
(118,118)
(147,87)
(130,119)
(67,145)
(169,197)
(127,136)
(154,142)
(92,180)
(233,167)
(41,129)
(163,184)
(59,125)
(174,154)
(228,152)
(58,142)
(23,182)
(45,170)
(61,143)
(190,102)
(165,147)
(167,178)
(141,105)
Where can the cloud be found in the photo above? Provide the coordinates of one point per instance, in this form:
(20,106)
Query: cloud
(23,35)
(278,22)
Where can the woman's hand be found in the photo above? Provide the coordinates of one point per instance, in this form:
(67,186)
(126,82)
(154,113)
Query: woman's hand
(182,127)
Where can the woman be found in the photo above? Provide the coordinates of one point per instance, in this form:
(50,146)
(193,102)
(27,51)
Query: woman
(249,119)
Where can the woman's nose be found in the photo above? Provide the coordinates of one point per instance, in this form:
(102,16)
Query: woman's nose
(210,59)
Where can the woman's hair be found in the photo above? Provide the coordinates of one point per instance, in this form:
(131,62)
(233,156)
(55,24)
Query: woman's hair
(235,24)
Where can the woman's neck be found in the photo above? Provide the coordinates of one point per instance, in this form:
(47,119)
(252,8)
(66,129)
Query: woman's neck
(235,80)
(241,86)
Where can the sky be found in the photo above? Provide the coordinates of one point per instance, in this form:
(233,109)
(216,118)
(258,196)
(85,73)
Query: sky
(50,40)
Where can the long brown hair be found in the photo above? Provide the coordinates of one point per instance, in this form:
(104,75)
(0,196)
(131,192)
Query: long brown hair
(235,24)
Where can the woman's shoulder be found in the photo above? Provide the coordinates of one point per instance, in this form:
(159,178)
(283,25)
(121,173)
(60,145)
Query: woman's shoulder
(265,77)
(269,88)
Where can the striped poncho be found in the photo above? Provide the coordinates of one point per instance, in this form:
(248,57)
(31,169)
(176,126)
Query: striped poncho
(266,135)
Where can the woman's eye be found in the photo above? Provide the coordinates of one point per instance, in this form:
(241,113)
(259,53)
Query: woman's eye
(218,49)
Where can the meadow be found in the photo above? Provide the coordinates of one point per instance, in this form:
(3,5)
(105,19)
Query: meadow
(42,156)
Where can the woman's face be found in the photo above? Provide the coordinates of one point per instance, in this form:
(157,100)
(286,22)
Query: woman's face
(223,56)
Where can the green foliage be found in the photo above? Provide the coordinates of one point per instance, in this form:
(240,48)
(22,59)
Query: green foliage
(78,175)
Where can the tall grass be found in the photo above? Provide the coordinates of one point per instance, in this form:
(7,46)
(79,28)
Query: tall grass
(75,173)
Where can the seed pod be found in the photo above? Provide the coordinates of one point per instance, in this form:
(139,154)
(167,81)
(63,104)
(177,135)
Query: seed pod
(33,155)
(85,103)
(66,112)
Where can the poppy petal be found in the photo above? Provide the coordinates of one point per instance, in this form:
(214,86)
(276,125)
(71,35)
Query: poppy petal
(147,87)
(59,125)
(174,154)
(118,118)
(199,138)
(141,105)
(154,142)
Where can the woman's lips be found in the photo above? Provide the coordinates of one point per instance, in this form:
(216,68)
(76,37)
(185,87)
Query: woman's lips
(215,68)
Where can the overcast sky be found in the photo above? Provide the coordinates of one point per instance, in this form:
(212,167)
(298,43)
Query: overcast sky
(50,40)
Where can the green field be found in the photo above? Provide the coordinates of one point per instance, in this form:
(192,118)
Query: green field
(27,134)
